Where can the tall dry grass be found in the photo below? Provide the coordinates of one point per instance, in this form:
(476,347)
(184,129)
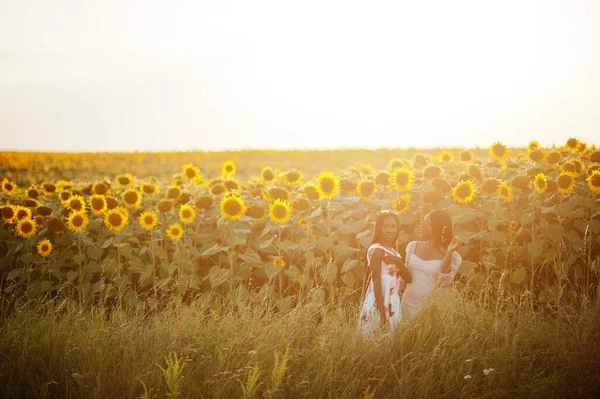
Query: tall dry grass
(493,345)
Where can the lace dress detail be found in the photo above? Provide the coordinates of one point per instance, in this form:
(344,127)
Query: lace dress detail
(369,320)
(425,277)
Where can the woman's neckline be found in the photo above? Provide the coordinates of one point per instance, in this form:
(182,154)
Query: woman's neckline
(427,260)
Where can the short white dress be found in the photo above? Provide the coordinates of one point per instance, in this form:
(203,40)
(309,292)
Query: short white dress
(426,277)
(369,320)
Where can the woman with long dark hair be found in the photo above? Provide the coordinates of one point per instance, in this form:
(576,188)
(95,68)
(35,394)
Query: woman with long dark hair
(381,305)
(432,262)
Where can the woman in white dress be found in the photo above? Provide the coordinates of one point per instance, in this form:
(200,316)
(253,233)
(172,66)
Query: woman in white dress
(432,262)
(382,297)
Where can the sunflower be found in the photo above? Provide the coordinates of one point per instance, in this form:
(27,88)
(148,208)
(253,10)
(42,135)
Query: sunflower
(191,172)
(594,181)
(521,182)
(231,185)
(228,168)
(278,193)
(116,219)
(267,174)
(514,225)
(533,146)
(100,188)
(490,186)
(446,157)
(540,183)
(75,203)
(504,192)
(77,221)
(232,207)
(21,212)
(49,188)
(327,184)
(420,161)
(572,144)
(8,187)
(204,202)
(279,211)
(566,182)
(475,172)
(64,196)
(256,212)
(499,151)
(175,231)
(347,186)
(279,262)
(26,227)
(98,204)
(124,180)
(582,147)
(466,156)
(432,171)
(8,214)
(217,189)
(537,155)
(303,222)
(149,188)
(402,179)
(554,157)
(44,248)
(383,178)
(132,198)
(310,191)
(464,191)
(395,164)
(33,194)
(187,214)
(292,177)
(366,190)
(301,204)
(402,204)
(148,220)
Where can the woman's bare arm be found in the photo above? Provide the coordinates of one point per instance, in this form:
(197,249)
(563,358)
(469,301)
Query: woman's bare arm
(375,266)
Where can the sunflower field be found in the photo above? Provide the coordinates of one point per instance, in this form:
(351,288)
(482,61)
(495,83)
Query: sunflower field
(134,229)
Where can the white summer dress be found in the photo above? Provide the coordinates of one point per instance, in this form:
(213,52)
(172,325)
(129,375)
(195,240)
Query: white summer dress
(369,320)
(425,277)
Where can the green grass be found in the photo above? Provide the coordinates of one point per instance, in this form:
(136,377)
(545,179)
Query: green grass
(312,351)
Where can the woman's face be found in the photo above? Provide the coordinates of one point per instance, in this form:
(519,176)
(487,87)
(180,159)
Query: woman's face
(426,232)
(389,230)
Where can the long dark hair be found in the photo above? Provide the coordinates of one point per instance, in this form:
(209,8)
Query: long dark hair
(441,227)
(381,217)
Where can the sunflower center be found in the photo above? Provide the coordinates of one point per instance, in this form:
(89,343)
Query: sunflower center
(499,150)
(228,168)
(504,192)
(564,181)
(124,181)
(115,219)
(131,197)
(540,183)
(402,179)
(232,207)
(367,189)
(463,191)
(148,219)
(8,187)
(268,175)
(186,214)
(279,212)
(8,213)
(44,247)
(175,231)
(75,204)
(189,173)
(293,176)
(572,143)
(97,203)
(327,185)
(77,221)
(21,214)
(148,189)
(100,189)
(26,227)
(595,180)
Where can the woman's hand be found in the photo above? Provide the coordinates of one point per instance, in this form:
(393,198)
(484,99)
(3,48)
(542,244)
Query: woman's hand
(393,259)
(454,244)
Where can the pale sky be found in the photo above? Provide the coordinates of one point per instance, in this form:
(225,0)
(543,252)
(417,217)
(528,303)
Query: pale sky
(79,75)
